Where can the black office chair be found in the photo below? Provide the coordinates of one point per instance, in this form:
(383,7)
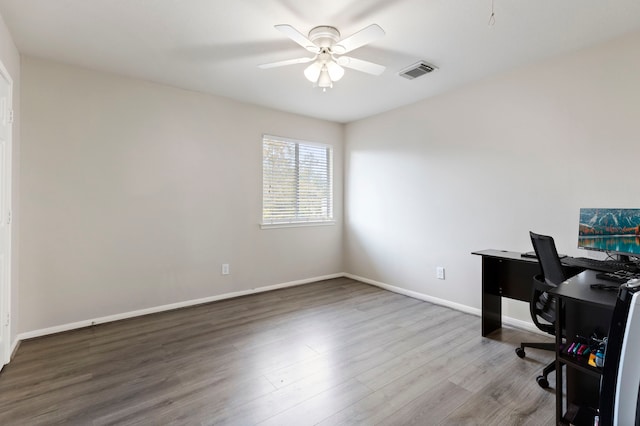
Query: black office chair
(541,305)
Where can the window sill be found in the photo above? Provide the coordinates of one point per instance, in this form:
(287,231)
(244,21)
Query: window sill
(296,224)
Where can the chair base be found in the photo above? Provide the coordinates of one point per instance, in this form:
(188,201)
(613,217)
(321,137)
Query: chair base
(543,346)
(542,380)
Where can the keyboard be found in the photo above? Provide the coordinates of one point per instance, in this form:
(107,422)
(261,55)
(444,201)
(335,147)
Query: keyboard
(620,277)
(596,265)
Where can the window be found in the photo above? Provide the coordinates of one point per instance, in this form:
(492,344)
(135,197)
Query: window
(297,182)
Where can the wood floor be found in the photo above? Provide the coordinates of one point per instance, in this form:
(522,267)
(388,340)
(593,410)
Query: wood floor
(330,353)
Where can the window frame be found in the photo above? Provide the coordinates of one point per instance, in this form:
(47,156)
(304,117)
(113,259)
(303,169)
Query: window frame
(299,222)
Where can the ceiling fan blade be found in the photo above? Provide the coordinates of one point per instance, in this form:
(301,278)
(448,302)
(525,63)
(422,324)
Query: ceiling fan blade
(360,65)
(298,37)
(287,62)
(359,39)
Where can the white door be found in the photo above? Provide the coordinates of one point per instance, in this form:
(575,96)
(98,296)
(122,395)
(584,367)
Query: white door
(6,120)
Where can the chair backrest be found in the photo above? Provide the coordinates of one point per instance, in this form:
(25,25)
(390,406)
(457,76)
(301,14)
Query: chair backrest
(550,265)
(542,305)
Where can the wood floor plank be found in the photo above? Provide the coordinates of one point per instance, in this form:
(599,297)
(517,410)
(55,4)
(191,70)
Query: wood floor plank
(332,352)
(315,409)
(430,406)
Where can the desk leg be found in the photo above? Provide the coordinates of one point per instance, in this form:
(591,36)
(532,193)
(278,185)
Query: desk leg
(491,313)
(491,302)
(559,376)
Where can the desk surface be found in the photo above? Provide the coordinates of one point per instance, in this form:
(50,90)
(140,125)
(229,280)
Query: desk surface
(504,254)
(579,288)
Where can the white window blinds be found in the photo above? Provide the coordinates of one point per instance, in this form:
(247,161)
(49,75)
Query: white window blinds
(297,182)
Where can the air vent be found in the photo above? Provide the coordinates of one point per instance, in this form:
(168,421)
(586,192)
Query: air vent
(416,70)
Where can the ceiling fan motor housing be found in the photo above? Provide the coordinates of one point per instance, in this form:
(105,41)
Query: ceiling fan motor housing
(324,36)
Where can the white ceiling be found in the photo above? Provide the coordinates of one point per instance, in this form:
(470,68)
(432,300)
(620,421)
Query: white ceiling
(214,46)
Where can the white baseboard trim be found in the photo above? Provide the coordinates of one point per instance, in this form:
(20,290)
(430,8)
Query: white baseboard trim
(169,307)
(513,322)
(523,325)
(14,347)
(110,318)
(421,296)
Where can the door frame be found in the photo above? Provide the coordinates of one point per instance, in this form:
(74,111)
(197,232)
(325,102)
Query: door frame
(5,284)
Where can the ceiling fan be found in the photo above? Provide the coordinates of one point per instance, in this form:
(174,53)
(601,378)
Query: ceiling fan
(328,62)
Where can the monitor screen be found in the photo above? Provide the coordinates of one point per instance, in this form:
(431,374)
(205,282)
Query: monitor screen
(611,230)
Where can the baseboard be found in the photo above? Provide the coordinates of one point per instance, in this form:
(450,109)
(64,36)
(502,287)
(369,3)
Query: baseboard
(513,322)
(14,348)
(523,325)
(169,307)
(421,296)
(416,295)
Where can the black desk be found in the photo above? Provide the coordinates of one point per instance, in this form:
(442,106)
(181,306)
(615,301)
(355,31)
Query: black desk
(506,274)
(583,311)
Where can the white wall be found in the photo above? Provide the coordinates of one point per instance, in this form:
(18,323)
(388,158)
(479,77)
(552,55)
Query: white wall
(135,193)
(427,184)
(10,58)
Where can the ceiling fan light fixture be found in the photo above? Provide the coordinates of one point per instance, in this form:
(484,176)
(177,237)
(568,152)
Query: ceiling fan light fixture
(335,71)
(324,80)
(312,72)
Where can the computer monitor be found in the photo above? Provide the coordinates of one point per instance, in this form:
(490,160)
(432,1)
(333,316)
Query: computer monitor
(610,230)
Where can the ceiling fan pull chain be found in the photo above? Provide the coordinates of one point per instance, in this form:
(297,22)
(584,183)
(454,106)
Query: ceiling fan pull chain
(492,18)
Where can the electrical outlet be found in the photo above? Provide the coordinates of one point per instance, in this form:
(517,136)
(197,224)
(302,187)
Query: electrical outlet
(440,272)
(225,269)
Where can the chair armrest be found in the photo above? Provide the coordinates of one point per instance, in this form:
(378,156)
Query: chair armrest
(541,285)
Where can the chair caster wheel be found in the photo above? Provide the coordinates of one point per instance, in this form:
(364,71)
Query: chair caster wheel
(520,352)
(543,382)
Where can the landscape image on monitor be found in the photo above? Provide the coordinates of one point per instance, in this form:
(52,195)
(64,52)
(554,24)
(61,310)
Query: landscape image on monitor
(614,230)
